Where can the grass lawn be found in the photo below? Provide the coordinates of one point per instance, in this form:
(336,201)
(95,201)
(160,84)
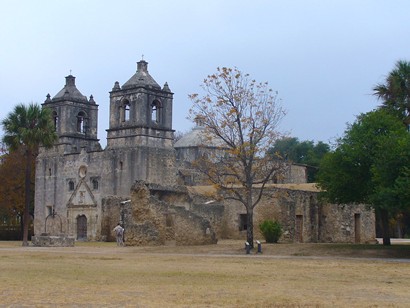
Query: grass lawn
(295,275)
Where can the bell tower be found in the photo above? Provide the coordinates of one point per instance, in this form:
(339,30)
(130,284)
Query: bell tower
(139,139)
(140,112)
(75,118)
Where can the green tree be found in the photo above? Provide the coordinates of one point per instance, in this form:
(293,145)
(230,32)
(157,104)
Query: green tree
(301,152)
(395,92)
(286,148)
(370,165)
(244,115)
(25,129)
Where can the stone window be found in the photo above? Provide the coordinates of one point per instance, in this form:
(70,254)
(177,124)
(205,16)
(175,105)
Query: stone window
(95,184)
(70,185)
(188,180)
(81,122)
(155,108)
(125,111)
(243,222)
(55,120)
(169,220)
(49,210)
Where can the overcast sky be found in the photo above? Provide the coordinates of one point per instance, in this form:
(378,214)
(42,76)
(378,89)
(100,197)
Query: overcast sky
(323,57)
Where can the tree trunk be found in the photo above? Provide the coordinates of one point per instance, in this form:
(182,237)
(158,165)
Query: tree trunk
(249,213)
(384,216)
(26,214)
(399,218)
(249,222)
(21,226)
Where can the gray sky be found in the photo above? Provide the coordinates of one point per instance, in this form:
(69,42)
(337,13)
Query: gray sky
(323,57)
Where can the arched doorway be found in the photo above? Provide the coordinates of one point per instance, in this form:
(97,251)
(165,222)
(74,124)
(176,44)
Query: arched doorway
(82,228)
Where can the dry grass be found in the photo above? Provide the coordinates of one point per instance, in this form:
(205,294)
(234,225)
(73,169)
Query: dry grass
(298,275)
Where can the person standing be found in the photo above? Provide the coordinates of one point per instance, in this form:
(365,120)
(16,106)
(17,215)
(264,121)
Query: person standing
(119,233)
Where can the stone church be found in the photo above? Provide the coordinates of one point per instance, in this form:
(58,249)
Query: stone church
(144,179)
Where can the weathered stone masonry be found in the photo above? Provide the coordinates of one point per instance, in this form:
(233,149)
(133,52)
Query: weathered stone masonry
(134,179)
(155,215)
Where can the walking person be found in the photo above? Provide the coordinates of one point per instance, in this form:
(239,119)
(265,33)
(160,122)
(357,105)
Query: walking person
(119,233)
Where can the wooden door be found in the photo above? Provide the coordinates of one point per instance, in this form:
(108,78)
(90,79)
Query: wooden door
(357,229)
(81,227)
(299,229)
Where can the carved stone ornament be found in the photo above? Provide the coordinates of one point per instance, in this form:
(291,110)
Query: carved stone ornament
(82,171)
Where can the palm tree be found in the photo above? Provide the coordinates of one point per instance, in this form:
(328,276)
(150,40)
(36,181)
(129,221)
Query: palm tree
(395,92)
(26,128)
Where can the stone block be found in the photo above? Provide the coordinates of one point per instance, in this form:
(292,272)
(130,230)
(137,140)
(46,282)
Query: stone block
(53,241)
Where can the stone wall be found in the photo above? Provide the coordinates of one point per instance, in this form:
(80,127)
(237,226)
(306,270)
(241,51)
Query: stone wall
(143,220)
(296,210)
(351,223)
(178,214)
(157,215)
(65,185)
(304,218)
(45,240)
(111,216)
(93,175)
(296,174)
(53,224)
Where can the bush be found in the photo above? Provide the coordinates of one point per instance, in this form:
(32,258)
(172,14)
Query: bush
(271,230)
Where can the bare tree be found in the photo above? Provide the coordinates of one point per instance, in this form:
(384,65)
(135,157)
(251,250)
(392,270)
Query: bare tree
(244,116)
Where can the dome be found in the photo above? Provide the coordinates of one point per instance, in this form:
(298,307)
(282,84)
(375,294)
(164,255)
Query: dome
(197,137)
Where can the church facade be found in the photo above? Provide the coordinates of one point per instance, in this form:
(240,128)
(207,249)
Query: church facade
(83,190)
(74,176)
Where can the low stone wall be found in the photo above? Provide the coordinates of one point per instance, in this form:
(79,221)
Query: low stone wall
(143,234)
(304,218)
(53,241)
(196,216)
(192,229)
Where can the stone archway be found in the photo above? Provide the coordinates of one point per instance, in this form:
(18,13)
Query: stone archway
(82,228)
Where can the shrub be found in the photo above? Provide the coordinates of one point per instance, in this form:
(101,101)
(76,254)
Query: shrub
(271,230)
